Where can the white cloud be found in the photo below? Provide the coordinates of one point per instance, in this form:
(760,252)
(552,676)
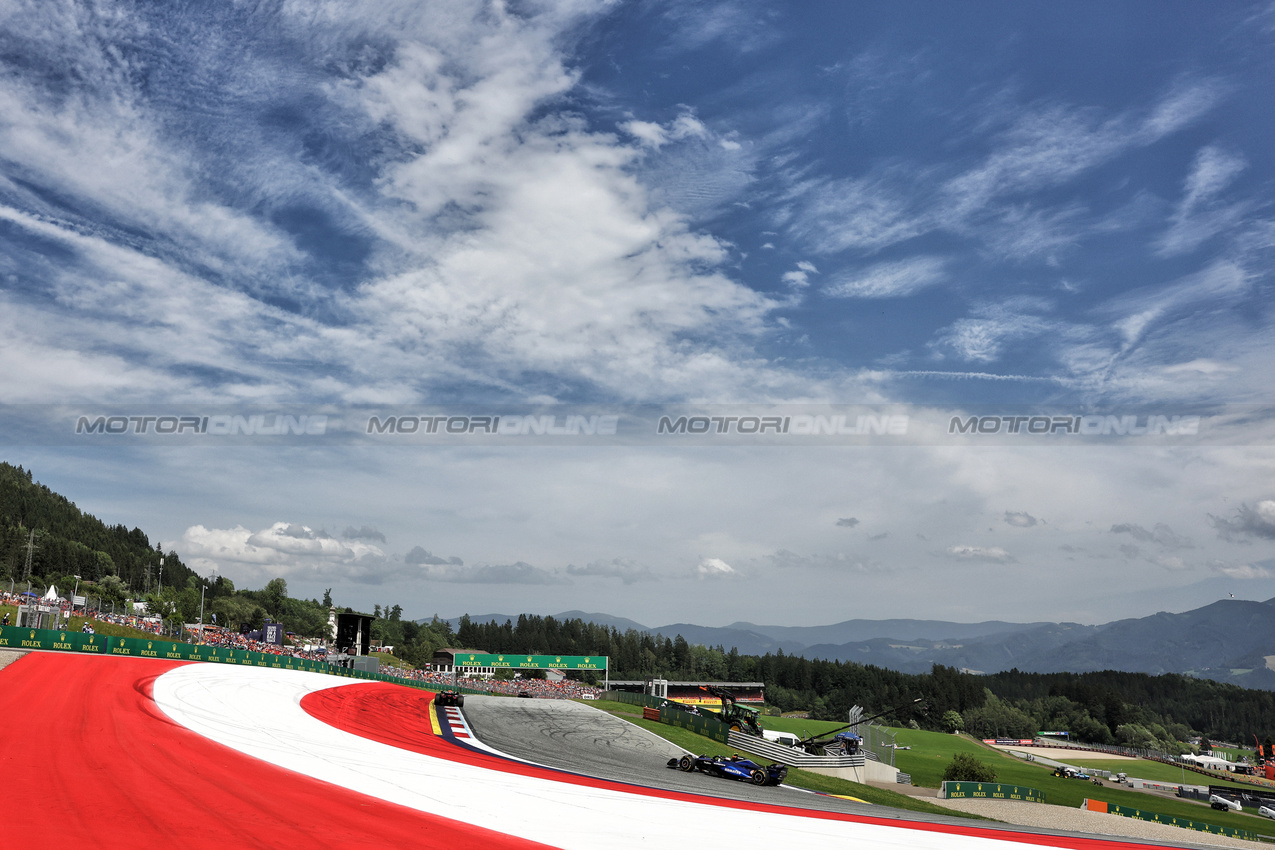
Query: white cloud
(646,132)
(1200,214)
(1242,572)
(284,550)
(993,554)
(714,568)
(983,338)
(888,280)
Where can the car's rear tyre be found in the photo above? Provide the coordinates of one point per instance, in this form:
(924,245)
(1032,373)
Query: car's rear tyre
(758,777)
(686,763)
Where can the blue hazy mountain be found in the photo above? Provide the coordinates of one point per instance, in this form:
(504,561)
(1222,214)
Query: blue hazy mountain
(1228,640)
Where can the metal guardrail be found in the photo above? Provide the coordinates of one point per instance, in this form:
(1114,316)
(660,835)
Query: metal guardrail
(790,755)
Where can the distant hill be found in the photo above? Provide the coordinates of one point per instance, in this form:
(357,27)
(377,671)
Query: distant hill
(1227,641)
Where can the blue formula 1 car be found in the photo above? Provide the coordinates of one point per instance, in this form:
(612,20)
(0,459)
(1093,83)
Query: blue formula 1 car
(732,767)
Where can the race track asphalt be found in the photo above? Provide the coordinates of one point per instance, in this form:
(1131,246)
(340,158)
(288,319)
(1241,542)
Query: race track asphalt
(577,738)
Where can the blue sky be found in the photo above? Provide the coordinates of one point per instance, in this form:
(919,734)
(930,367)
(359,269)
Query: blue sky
(981,207)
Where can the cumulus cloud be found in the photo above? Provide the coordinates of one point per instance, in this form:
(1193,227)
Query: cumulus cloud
(1241,572)
(418,555)
(283,550)
(365,532)
(847,522)
(713,568)
(684,126)
(627,571)
(991,554)
(1248,522)
(1021,519)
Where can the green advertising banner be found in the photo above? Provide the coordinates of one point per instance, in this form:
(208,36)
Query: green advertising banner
(700,724)
(532,662)
(1185,823)
(80,642)
(992,790)
(13,637)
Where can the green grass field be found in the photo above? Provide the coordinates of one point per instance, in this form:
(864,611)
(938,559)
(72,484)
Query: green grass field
(932,751)
(1155,771)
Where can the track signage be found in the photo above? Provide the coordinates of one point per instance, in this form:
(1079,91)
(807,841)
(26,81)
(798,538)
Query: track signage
(532,662)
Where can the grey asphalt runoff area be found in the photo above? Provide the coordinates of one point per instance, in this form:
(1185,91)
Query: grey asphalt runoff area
(578,738)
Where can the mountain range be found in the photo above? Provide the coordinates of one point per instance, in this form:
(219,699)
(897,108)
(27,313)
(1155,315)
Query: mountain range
(1231,640)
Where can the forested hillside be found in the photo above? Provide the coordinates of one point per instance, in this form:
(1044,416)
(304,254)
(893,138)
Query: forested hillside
(67,542)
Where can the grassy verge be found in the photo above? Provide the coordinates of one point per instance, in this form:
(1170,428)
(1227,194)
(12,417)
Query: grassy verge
(932,751)
(1157,771)
(700,745)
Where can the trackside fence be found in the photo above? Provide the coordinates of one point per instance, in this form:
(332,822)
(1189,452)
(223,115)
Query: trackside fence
(12,637)
(700,724)
(1153,817)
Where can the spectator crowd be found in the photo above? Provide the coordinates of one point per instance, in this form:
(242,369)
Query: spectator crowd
(215,636)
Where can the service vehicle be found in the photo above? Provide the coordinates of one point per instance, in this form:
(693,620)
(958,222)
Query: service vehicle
(451,696)
(1223,804)
(732,767)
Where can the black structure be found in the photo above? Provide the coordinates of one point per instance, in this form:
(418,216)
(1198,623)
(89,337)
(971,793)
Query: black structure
(354,633)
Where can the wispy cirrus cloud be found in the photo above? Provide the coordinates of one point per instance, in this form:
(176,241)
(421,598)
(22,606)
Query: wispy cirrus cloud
(888,280)
(982,338)
(1162,535)
(485,219)
(1202,214)
(517,573)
